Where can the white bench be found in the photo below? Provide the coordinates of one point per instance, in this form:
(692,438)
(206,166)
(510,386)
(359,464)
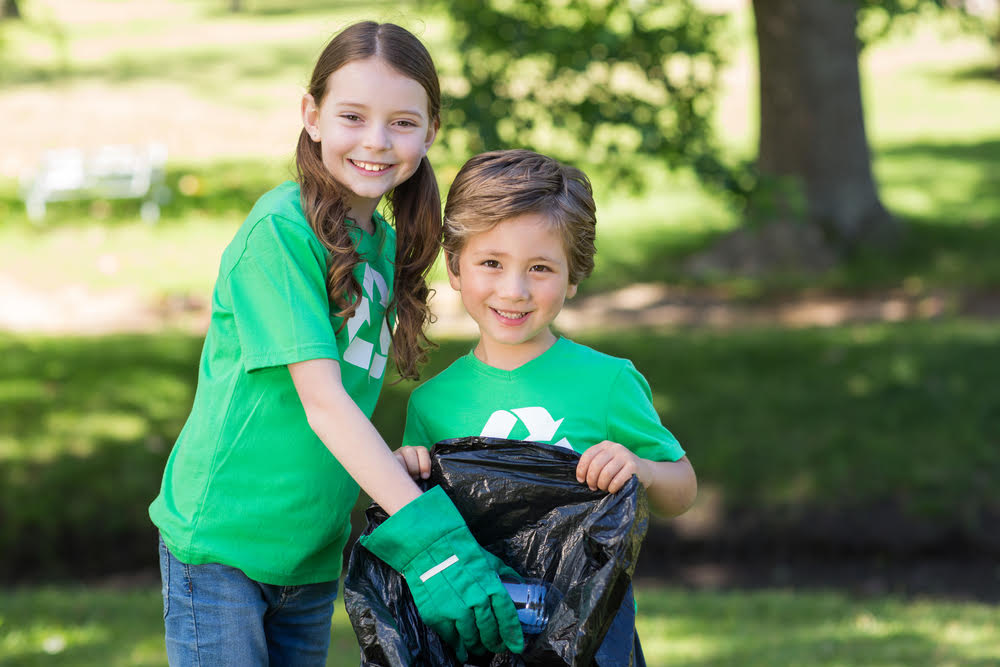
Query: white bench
(110,172)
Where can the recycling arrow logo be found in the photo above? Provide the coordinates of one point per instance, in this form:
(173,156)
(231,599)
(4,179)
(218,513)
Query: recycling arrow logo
(540,424)
(360,352)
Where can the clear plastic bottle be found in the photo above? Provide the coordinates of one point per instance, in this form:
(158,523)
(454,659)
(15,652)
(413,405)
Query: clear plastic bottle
(535,600)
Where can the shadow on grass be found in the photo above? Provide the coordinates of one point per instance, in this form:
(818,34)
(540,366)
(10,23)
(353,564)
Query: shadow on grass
(827,438)
(986,73)
(947,196)
(959,183)
(784,428)
(87,425)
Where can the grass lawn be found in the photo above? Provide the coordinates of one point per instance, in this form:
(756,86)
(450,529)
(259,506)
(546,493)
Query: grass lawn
(75,625)
(774,419)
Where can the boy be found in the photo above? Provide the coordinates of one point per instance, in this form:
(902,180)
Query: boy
(519,238)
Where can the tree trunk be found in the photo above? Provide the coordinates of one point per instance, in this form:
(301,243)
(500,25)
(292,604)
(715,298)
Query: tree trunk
(9,10)
(811,122)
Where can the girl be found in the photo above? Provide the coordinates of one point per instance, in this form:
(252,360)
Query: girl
(254,512)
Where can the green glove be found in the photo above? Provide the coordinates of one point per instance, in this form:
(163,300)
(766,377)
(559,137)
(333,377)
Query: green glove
(454,581)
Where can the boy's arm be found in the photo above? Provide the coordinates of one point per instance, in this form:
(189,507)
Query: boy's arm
(414,454)
(671,485)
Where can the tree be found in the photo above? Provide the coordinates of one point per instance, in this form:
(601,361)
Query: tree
(9,9)
(612,84)
(812,126)
(589,81)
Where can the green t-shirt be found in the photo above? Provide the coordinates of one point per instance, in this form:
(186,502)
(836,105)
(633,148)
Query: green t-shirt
(248,483)
(570,396)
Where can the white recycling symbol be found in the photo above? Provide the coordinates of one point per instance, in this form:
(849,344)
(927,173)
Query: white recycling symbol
(540,424)
(360,352)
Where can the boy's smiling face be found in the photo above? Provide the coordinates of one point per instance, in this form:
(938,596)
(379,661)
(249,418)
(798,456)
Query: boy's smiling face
(514,280)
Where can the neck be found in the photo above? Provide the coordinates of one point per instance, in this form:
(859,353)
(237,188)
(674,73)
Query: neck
(361,214)
(510,357)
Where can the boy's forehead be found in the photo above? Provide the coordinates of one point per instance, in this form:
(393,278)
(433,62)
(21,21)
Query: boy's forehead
(532,234)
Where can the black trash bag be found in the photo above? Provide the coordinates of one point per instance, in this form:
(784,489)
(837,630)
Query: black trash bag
(522,502)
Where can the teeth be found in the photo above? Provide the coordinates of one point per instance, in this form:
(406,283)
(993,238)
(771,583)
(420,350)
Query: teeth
(510,314)
(370,166)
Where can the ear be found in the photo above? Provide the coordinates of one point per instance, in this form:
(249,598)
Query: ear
(454,279)
(432,131)
(571,291)
(310,116)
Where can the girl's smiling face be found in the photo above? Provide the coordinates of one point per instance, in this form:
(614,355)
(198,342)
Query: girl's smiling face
(374,127)
(514,280)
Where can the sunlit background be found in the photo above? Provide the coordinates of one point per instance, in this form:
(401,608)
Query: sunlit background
(843,417)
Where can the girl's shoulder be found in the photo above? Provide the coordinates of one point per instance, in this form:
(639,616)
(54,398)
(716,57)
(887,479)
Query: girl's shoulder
(284,201)
(276,220)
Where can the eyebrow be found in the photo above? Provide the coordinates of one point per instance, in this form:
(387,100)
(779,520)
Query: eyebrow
(347,104)
(502,253)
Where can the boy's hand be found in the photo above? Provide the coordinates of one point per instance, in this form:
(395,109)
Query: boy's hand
(415,460)
(608,466)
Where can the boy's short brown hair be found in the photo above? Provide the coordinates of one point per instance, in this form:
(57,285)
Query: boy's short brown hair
(500,185)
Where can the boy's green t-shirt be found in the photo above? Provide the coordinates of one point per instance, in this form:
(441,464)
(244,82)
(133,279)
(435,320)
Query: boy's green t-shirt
(570,396)
(248,484)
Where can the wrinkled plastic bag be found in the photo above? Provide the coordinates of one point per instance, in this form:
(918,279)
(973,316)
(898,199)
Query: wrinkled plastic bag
(522,502)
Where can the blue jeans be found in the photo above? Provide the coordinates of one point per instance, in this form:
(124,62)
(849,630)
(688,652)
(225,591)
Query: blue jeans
(216,615)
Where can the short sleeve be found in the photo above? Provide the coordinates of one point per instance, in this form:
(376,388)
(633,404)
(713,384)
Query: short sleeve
(633,421)
(415,432)
(279,297)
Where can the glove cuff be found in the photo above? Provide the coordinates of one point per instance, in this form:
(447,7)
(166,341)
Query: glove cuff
(414,528)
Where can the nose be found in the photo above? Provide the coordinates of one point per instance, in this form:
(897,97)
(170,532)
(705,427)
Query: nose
(376,138)
(513,286)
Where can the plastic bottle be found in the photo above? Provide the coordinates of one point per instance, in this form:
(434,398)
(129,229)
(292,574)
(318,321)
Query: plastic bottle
(535,600)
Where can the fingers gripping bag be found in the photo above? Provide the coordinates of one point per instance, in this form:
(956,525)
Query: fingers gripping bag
(575,549)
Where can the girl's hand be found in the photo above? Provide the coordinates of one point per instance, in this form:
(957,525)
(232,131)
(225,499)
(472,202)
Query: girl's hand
(415,460)
(608,466)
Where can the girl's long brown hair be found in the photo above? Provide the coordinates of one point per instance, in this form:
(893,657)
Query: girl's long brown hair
(416,203)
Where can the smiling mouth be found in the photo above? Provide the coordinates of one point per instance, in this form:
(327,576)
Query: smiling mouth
(373,167)
(510,314)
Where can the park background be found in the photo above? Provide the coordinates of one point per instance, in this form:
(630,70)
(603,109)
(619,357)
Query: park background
(842,412)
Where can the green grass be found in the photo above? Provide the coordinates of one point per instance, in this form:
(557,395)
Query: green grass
(77,625)
(775,420)
(833,417)
(812,628)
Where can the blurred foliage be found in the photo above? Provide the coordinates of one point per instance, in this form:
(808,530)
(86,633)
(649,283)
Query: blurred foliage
(593,83)
(598,83)
(877,17)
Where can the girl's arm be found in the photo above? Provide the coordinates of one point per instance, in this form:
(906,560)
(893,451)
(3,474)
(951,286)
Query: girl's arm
(422,527)
(671,486)
(349,434)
